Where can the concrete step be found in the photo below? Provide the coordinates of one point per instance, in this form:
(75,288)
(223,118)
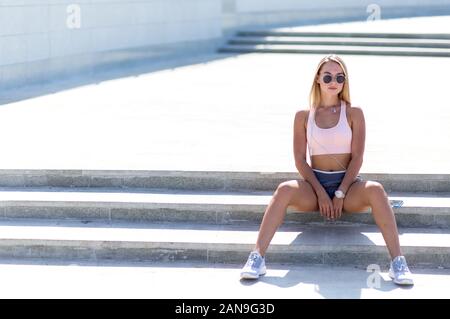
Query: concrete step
(221,208)
(325,49)
(336,41)
(388,44)
(375,35)
(315,244)
(201,180)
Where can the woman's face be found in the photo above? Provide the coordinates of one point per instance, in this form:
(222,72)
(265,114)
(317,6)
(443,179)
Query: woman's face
(334,70)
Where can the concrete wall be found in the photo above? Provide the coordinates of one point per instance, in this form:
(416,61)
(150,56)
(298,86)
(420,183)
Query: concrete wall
(49,39)
(40,39)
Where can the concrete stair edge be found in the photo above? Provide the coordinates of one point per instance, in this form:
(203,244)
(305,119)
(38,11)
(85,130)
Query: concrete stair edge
(350,42)
(435,36)
(205,180)
(222,246)
(217,208)
(335,50)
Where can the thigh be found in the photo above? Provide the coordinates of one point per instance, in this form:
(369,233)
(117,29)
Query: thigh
(356,199)
(303,198)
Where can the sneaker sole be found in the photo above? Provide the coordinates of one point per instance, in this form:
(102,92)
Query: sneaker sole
(247,275)
(406,282)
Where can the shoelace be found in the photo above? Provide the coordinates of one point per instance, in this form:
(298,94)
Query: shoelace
(252,259)
(400,266)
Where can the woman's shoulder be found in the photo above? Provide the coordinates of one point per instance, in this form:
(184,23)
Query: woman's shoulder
(352,107)
(301,116)
(355,112)
(301,113)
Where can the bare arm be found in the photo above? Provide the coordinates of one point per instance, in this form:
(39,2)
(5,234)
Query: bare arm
(358,141)
(300,153)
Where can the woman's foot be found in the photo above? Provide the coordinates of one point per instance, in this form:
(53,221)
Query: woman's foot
(255,266)
(399,271)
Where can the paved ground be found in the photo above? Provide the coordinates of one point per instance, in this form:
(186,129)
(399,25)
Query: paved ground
(184,281)
(436,24)
(232,113)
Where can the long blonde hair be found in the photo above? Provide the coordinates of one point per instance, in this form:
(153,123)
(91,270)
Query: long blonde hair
(314,96)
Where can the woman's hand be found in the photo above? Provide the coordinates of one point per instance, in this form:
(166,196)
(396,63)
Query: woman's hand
(338,204)
(325,204)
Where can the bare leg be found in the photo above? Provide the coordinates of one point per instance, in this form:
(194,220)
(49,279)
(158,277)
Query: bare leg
(273,218)
(385,219)
(292,193)
(365,194)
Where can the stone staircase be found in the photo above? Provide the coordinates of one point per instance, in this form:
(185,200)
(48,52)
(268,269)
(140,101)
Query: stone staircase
(209,217)
(387,44)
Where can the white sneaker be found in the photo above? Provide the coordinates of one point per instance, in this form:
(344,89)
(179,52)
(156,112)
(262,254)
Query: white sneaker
(399,271)
(255,266)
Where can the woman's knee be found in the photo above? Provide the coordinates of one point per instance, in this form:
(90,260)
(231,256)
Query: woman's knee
(285,190)
(375,190)
(296,194)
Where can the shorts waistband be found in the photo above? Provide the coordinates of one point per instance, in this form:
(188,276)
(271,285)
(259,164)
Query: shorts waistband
(325,172)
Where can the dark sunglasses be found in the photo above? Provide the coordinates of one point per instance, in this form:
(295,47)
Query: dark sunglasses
(328,78)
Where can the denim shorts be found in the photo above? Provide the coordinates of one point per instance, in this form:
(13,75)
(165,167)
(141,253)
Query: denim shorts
(331,180)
